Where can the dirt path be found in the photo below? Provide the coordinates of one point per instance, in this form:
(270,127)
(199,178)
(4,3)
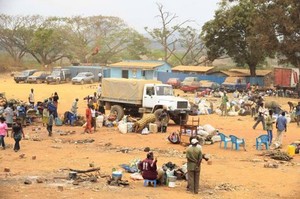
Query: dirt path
(233,174)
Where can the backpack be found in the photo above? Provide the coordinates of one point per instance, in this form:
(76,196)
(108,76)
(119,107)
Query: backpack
(174,138)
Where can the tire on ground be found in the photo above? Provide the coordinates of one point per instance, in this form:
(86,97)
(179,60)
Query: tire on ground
(118,110)
(183,120)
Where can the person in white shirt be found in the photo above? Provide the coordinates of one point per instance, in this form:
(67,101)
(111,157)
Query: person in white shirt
(99,90)
(31,97)
(100,77)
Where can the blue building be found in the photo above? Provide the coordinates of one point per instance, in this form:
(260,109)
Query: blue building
(138,69)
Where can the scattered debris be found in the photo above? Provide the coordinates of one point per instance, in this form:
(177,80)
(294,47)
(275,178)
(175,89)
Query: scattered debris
(277,155)
(56,147)
(271,165)
(22,155)
(226,187)
(40,180)
(84,141)
(6,169)
(107,144)
(27,181)
(60,188)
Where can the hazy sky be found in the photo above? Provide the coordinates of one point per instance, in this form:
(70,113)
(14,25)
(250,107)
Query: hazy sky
(136,13)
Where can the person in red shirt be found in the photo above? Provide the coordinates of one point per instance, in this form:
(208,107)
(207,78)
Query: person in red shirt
(148,167)
(88,115)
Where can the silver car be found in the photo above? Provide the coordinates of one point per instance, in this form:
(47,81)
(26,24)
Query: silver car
(83,77)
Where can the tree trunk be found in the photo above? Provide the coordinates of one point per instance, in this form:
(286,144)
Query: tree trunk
(252,70)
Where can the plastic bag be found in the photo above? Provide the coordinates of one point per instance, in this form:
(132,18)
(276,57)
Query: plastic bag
(145,131)
(122,127)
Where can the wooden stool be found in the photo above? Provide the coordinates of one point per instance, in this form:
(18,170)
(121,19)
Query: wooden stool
(146,182)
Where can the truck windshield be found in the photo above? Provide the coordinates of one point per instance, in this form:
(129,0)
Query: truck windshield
(164,90)
(55,73)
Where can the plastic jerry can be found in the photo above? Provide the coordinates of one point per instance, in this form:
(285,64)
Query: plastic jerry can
(291,150)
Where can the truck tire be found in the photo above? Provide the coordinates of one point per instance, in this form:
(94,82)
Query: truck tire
(118,110)
(183,120)
(81,82)
(157,114)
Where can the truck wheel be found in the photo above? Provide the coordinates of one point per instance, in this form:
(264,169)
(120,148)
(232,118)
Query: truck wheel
(117,110)
(81,82)
(57,81)
(184,119)
(157,114)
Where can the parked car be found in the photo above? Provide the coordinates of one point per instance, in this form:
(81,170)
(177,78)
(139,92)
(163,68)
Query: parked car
(190,84)
(206,84)
(38,77)
(22,76)
(234,83)
(83,77)
(175,82)
(59,75)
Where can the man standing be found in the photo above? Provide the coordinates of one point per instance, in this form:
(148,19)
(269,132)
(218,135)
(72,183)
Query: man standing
(164,118)
(100,77)
(74,107)
(194,158)
(50,123)
(9,115)
(260,117)
(31,97)
(269,125)
(281,126)
(224,104)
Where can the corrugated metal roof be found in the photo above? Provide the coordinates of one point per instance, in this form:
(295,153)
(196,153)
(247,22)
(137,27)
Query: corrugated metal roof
(233,74)
(137,64)
(231,80)
(202,69)
(247,72)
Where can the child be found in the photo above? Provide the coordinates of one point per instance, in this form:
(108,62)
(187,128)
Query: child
(17,133)
(50,123)
(3,131)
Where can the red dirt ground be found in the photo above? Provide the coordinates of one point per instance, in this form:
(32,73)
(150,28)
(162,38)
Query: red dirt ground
(243,170)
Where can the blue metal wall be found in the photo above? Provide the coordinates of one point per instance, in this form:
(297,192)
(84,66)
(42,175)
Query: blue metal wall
(256,80)
(164,76)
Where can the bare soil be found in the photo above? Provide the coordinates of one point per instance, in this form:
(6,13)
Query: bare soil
(233,174)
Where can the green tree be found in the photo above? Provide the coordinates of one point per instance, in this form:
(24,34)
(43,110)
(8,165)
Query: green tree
(49,42)
(232,32)
(280,22)
(13,36)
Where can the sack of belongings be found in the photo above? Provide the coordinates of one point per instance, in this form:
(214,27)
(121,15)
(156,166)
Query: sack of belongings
(174,138)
